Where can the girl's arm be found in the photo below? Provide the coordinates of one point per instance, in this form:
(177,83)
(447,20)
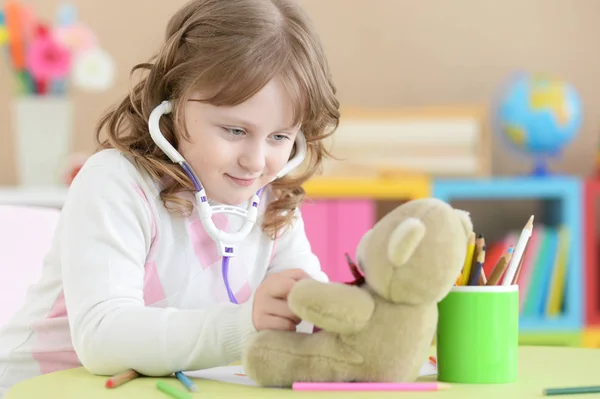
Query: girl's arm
(292,251)
(105,238)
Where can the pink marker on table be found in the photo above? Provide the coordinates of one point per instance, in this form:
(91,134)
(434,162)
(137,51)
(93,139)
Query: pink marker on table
(369,386)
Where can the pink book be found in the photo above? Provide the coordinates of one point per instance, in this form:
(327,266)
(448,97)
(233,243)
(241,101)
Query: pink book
(353,219)
(319,225)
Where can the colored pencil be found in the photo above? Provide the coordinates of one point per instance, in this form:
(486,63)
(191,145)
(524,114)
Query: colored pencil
(122,378)
(459,279)
(572,390)
(466,271)
(482,277)
(520,266)
(479,248)
(518,254)
(479,245)
(477,268)
(500,267)
(172,391)
(185,380)
(369,386)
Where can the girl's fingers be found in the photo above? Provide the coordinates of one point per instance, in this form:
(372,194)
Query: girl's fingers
(280,308)
(280,287)
(270,322)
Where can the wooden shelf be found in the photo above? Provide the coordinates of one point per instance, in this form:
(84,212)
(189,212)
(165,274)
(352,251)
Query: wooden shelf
(370,188)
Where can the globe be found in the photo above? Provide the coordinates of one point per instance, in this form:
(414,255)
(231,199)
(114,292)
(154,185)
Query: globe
(538,116)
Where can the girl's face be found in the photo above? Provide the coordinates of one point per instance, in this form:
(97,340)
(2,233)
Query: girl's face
(237,150)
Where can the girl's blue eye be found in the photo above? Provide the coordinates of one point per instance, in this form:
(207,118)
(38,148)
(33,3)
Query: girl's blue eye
(280,137)
(234,131)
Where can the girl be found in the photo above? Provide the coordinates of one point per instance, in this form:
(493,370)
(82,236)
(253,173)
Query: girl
(134,279)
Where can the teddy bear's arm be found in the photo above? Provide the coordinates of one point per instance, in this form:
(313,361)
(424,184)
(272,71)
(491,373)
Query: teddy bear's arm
(333,307)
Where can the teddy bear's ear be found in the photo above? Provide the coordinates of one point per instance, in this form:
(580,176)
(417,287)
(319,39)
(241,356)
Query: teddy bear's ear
(466,221)
(404,240)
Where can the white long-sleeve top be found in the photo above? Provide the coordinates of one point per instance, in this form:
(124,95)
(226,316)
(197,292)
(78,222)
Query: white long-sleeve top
(128,284)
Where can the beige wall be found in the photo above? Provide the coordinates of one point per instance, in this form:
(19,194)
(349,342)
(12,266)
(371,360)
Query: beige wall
(383,53)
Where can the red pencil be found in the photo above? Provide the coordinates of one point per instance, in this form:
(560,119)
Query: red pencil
(121,379)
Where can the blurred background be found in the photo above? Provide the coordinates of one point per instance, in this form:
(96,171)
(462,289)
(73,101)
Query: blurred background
(383,53)
(472,94)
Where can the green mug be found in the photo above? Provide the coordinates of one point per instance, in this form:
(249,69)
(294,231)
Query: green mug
(478,335)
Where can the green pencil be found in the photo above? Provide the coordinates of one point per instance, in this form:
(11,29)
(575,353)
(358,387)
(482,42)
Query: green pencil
(172,391)
(568,391)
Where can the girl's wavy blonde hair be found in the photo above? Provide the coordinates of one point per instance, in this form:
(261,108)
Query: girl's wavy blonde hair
(230,48)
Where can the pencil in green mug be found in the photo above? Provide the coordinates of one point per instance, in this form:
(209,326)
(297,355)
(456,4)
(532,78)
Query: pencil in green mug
(466,270)
(572,390)
(520,266)
(500,267)
(482,277)
(172,391)
(519,250)
(477,268)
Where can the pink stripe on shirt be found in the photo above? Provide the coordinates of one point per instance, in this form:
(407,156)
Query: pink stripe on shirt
(53,348)
(205,247)
(153,289)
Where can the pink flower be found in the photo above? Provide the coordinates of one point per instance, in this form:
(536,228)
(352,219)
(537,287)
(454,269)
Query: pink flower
(76,37)
(48,59)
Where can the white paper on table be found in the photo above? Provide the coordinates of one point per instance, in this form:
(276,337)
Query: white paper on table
(428,369)
(236,375)
(231,374)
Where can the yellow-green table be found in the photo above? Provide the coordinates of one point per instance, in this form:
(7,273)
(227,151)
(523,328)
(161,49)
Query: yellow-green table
(539,368)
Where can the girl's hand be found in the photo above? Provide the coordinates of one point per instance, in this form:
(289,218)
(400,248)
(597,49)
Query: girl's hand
(270,309)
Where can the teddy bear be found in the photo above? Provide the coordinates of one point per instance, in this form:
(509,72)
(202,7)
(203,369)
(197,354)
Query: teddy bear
(379,328)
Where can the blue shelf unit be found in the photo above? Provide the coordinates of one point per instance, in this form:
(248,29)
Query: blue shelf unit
(563,196)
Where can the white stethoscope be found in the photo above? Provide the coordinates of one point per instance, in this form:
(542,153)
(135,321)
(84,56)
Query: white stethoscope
(226,242)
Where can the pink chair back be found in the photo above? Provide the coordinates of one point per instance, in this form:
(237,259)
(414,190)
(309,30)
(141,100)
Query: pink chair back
(26,235)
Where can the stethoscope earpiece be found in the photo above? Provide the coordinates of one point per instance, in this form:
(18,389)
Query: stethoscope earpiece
(159,139)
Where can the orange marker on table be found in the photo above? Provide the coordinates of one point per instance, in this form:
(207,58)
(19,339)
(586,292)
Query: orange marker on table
(121,379)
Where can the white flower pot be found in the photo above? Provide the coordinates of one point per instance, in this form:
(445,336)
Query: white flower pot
(43,132)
